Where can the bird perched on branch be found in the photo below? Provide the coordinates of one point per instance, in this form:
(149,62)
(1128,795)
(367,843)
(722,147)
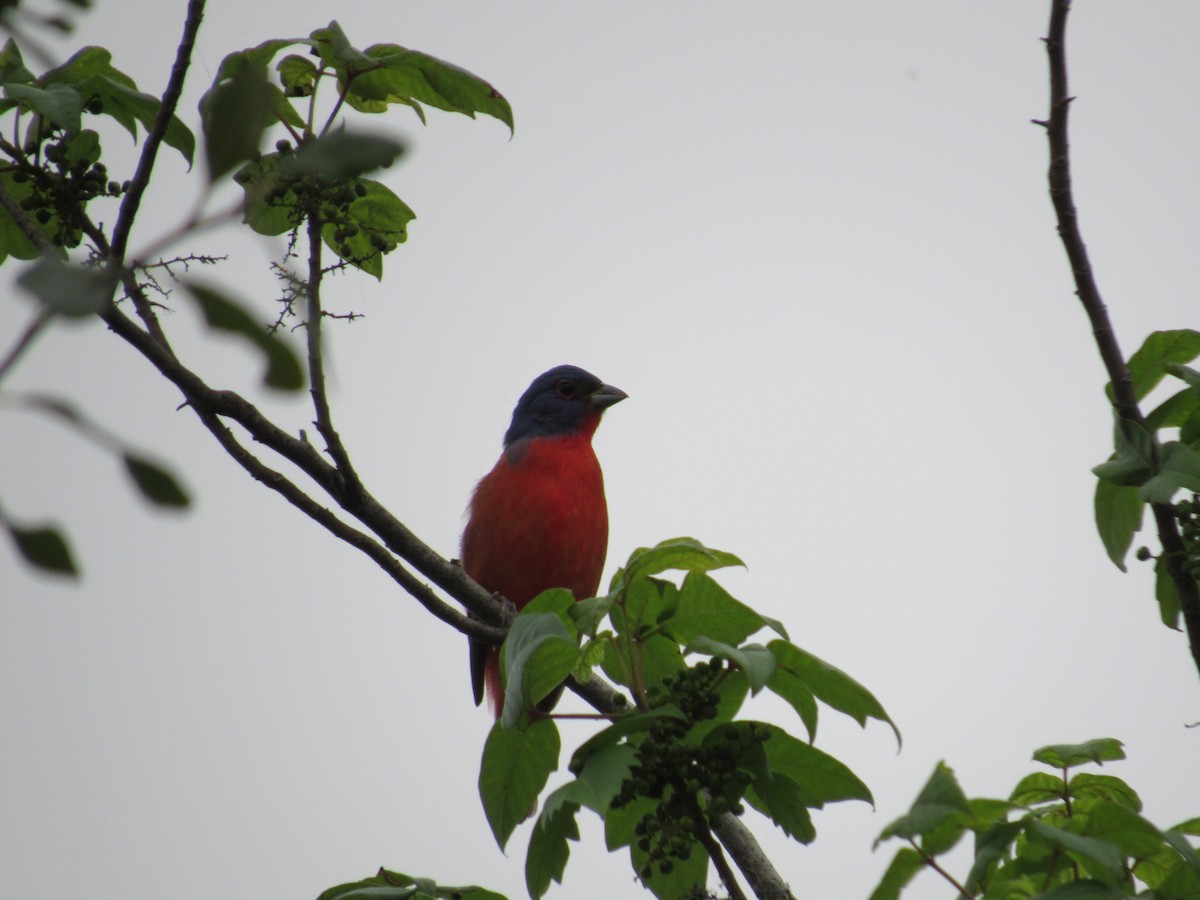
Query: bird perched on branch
(539,520)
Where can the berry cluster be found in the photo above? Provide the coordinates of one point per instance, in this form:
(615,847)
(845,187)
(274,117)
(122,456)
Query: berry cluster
(331,199)
(676,772)
(70,176)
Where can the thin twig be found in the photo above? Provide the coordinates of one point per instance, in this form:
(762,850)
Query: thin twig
(717,855)
(39,321)
(316,363)
(1124,397)
(936,866)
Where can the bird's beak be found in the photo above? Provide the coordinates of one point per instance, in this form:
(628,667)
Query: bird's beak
(606,395)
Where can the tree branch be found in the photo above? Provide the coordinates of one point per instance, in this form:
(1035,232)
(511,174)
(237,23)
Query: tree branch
(141,176)
(324,517)
(1123,395)
(316,366)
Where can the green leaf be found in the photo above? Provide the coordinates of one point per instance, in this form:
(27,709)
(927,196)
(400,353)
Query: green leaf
(382,221)
(44,548)
(236,65)
(387,885)
(13,240)
(12,66)
(537,656)
(91,74)
(337,53)
(991,847)
(1183,847)
(1179,467)
(686,878)
(343,154)
(1188,826)
(755,660)
(940,800)
(620,824)
(1039,787)
(829,684)
(222,313)
(68,290)
(298,75)
(1173,411)
(682,554)
(707,609)
(1167,594)
(1134,461)
(785,803)
(591,655)
(548,852)
(155,483)
(602,776)
(621,728)
(791,688)
(1189,431)
(235,114)
(1186,374)
(389,73)
(1087,889)
(821,778)
(1118,510)
(900,871)
(271,205)
(516,763)
(1123,829)
(60,104)
(1160,349)
(598,783)
(1087,785)
(588,614)
(648,601)
(660,657)
(1061,756)
(1100,857)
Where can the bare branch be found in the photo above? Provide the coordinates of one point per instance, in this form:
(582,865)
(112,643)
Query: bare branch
(324,517)
(141,177)
(753,863)
(1124,398)
(316,364)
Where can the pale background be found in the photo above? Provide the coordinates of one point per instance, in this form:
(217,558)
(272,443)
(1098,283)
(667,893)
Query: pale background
(812,241)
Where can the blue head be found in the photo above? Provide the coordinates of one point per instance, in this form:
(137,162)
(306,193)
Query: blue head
(565,400)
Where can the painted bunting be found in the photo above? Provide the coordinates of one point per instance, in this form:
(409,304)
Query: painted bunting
(539,520)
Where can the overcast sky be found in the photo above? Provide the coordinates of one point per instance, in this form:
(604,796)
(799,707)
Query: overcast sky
(812,241)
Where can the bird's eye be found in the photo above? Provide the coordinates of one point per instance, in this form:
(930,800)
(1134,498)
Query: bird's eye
(565,388)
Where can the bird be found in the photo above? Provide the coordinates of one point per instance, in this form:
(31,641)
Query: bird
(539,519)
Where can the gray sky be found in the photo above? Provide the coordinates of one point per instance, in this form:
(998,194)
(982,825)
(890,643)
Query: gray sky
(812,241)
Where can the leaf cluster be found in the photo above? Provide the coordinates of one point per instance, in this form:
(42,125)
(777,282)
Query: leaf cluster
(1060,835)
(52,166)
(315,174)
(52,170)
(388,885)
(678,756)
(1145,468)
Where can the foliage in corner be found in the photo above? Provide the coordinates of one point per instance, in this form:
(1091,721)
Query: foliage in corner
(387,885)
(1147,468)
(56,191)
(316,173)
(661,773)
(1060,834)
